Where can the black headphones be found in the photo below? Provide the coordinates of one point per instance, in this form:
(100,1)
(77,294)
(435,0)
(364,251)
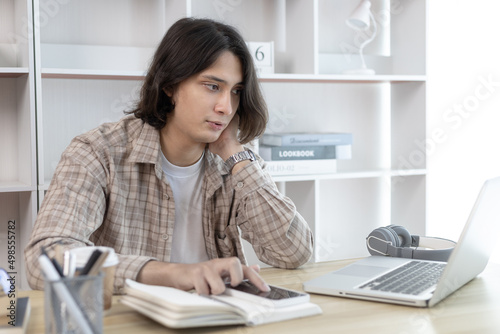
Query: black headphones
(396,241)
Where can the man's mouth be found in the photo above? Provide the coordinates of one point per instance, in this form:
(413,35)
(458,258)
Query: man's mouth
(216,125)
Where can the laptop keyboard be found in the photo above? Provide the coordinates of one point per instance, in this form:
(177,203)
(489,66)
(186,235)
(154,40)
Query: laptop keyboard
(411,278)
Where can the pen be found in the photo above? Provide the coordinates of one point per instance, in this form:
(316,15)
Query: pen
(69,265)
(55,263)
(96,267)
(57,267)
(90,263)
(63,293)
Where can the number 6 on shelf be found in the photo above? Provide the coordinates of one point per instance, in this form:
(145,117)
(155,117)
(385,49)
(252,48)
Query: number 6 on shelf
(263,56)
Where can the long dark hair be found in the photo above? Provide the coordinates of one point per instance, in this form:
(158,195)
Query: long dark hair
(190,46)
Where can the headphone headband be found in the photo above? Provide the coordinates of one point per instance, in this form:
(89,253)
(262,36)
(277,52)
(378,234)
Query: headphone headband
(396,241)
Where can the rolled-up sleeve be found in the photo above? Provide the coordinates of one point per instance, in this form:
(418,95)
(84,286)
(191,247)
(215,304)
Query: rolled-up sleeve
(73,210)
(99,198)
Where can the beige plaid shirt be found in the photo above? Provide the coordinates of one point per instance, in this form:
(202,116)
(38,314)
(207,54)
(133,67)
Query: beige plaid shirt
(109,190)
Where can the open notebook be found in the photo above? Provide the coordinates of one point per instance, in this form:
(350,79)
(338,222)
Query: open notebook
(180,309)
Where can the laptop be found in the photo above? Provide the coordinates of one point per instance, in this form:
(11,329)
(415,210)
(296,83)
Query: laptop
(467,260)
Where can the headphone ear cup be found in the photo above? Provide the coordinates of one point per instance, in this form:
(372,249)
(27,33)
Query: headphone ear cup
(384,234)
(403,236)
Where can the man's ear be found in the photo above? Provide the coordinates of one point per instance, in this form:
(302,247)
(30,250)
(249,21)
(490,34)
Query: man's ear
(168,91)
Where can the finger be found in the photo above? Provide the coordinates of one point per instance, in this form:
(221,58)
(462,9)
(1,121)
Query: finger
(214,281)
(255,278)
(200,285)
(255,267)
(234,268)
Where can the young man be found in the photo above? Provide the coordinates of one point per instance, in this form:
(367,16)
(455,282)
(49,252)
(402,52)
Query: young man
(171,186)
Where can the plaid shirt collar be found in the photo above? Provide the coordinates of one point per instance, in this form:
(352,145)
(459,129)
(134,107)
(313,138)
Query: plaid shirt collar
(147,149)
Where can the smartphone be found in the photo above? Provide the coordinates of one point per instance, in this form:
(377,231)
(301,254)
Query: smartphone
(277,296)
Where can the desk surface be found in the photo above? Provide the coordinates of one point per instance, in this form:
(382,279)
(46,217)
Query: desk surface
(473,309)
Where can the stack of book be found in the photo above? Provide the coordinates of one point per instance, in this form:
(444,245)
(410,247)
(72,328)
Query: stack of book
(304,153)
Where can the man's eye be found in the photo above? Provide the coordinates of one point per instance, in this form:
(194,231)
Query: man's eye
(212,87)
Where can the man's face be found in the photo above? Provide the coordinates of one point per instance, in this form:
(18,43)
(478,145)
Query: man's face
(206,102)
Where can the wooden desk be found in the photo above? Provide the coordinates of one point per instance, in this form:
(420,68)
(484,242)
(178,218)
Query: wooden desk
(473,309)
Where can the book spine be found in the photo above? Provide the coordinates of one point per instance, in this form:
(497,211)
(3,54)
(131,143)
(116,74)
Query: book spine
(306,139)
(304,152)
(301,167)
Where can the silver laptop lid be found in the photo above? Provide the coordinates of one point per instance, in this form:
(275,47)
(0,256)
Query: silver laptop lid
(476,243)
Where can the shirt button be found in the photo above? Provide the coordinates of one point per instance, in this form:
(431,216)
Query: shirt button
(164,236)
(166,196)
(239,185)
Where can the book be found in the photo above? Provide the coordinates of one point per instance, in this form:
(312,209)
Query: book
(15,322)
(306,139)
(301,167)
(311,152)
(175,308)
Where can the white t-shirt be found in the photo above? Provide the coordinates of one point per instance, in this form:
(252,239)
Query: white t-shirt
(188,244)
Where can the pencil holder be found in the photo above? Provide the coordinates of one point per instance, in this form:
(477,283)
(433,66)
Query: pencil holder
(81,302)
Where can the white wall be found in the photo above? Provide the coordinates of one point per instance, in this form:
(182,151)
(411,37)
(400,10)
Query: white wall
(463,56)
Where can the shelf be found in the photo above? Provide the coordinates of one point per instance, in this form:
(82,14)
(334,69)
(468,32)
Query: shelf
(340,78)
(99,60)
(45,186)
(13,72)
(62,73)
(65,73)
(350,175)
(332,176)
(408,172)
(15,186)
(78,61)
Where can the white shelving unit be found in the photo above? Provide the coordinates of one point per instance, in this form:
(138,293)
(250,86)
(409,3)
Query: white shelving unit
(91,57)
(18,197)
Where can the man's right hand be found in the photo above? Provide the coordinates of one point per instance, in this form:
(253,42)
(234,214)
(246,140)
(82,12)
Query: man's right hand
(205,277)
